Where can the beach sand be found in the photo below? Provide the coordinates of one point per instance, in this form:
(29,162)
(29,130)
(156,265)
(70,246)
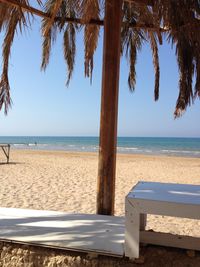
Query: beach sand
(63,181)
(66,181)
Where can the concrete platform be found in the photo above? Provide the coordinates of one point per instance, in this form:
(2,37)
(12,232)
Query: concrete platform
(76,232)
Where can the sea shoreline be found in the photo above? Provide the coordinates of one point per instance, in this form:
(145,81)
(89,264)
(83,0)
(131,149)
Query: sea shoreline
(75,152)
(181,147)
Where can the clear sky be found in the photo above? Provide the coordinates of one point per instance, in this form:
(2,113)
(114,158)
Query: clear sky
(43,105)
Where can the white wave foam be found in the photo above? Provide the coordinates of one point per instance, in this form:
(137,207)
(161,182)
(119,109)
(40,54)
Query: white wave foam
(126,148)
(180,151)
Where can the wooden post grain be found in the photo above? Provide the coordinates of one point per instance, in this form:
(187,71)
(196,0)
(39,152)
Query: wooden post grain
(109,107)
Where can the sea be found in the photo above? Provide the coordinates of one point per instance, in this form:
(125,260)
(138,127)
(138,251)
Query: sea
(185,147)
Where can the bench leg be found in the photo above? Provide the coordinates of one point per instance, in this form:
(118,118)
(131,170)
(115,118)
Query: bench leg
(132,231)
(8,157)
(143,221)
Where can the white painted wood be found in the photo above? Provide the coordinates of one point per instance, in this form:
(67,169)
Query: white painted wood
(170,240)
(77,232)
(179,200)
(167,192)
(15,213)
(167,208)
(132,228)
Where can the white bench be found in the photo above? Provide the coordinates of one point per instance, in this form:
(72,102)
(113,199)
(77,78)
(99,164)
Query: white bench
(178,200)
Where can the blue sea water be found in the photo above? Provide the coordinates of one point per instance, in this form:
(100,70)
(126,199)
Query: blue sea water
(186,147)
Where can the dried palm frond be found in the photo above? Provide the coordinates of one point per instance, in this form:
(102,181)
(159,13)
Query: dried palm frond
(131,45)
(52,6)
(180,18)
(50,27)
(197,73)
(5,12)
(69,45)
(91,35)
(48,32)
(90,10)
(131,41)
(48,39)
(155,55)
(132,60)
(143,15)
(186,68)
(11,18)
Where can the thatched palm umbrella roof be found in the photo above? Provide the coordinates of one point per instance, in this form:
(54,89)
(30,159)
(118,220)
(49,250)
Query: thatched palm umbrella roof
(138,22)
(143,21)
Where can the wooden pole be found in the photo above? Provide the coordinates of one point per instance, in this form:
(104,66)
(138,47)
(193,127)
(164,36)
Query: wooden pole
(109,107)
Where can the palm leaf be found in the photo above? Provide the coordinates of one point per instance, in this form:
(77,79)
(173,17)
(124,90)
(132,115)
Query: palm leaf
(69,45)
(12,18)
(131,41)
(52,6)
(155,56)
(49,31)
(90,9)
(183,21)
(180,18)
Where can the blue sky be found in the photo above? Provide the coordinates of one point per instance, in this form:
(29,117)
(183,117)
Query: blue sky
(43,105)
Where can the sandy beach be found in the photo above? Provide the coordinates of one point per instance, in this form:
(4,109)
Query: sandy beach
(63,181)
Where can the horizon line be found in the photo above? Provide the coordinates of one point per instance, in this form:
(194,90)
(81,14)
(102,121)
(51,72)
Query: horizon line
(95,136)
